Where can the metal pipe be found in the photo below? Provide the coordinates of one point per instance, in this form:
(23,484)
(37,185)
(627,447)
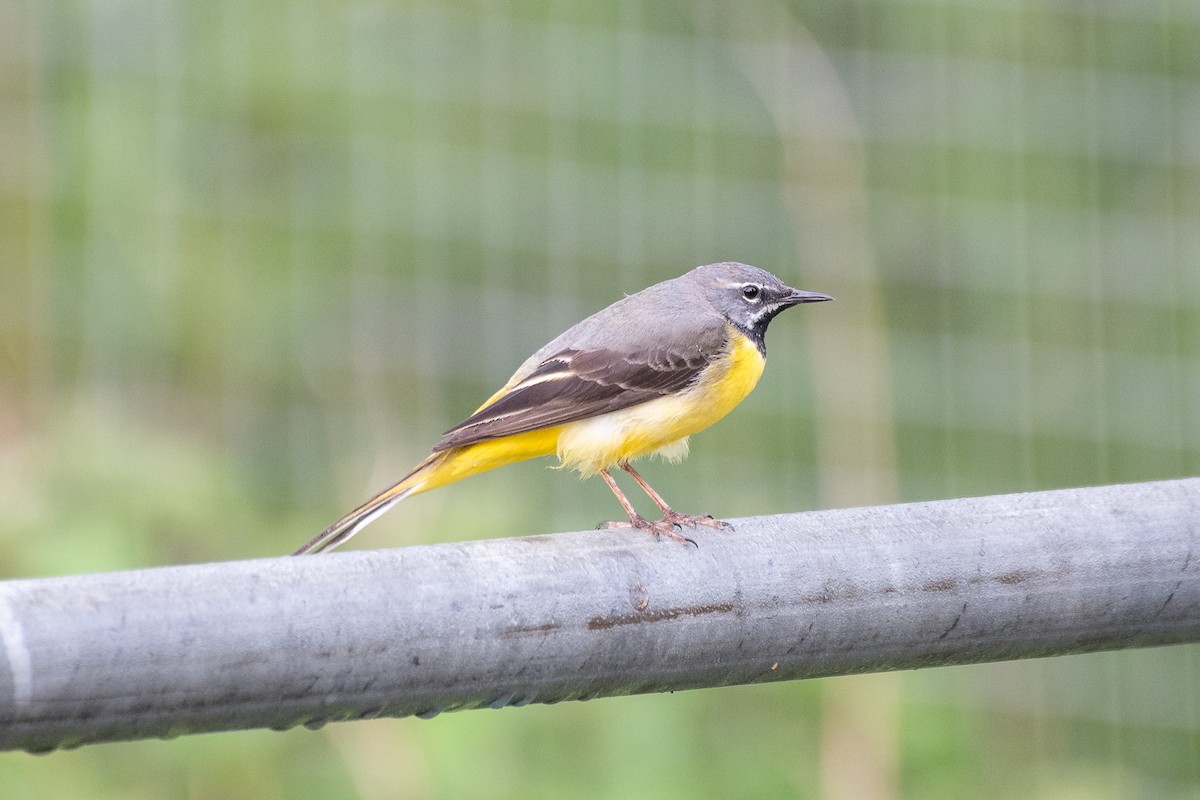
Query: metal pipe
(420,630)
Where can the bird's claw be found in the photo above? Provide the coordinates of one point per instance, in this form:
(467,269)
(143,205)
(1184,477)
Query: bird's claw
(692,520)
(667,526)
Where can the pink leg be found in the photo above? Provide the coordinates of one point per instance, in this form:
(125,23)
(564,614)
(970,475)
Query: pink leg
(662,527)
(671,515)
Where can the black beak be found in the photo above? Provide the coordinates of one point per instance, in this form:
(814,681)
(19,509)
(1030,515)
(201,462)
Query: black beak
(797,296)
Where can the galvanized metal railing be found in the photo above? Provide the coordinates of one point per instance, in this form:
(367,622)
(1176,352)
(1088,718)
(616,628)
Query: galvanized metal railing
(422,630)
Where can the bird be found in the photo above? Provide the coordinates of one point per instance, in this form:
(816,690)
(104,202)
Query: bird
(634,379)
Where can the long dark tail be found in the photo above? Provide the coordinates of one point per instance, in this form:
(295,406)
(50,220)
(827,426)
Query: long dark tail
(341,531)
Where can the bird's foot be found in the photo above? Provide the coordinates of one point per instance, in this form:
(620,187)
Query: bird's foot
(692,520)
(656,528)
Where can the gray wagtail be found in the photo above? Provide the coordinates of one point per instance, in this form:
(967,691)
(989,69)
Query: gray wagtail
(635,379)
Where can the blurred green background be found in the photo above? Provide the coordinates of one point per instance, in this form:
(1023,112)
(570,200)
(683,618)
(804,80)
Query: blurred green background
(256,257)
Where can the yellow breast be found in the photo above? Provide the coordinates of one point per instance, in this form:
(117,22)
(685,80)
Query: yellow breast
(661,426)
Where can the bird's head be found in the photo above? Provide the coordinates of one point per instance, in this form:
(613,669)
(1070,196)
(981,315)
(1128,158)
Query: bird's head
(749,297)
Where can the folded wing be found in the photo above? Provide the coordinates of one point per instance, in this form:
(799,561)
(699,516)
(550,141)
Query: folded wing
(574,385)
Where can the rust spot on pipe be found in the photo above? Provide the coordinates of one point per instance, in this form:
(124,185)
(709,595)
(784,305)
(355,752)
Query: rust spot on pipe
(524,630)
(1014,577)
(638,597)
(944,585)
(658,615)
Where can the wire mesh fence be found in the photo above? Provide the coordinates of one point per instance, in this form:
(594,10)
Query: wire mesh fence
(256,257)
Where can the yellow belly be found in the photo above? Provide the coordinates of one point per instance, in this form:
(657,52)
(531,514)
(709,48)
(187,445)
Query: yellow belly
(659,426)
(662,426)
(457,463)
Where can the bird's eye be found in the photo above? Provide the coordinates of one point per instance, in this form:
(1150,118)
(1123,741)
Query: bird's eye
(750,292)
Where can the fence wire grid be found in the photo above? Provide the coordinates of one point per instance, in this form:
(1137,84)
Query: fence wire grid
(257,257)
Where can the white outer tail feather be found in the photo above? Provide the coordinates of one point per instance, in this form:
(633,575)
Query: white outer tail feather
(341,531)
